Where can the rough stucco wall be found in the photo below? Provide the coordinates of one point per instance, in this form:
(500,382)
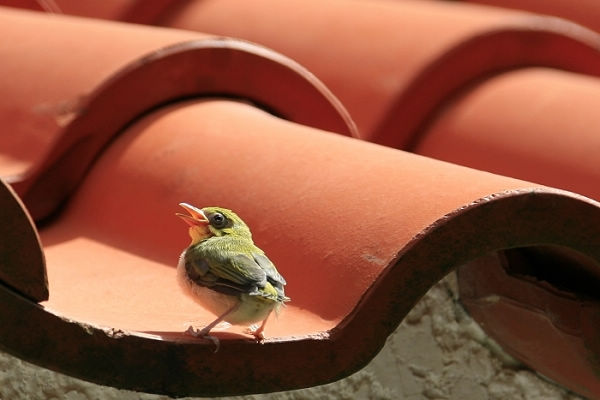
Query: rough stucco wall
(436,353)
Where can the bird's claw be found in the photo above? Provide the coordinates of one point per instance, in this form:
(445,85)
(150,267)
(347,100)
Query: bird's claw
(203,333)
(192,332)
(255,331)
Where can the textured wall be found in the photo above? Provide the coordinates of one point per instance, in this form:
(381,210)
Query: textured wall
(436,353)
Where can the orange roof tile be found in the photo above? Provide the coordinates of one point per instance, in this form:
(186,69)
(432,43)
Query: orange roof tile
(114,124)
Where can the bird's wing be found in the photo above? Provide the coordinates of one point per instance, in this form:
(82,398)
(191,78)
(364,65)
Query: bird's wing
(203,273)
(227,270)
(272,274)
(238,268)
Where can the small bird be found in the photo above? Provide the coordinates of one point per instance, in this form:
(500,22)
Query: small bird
(224,271)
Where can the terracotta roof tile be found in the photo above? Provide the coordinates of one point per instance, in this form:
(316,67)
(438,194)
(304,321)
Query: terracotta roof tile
(584,12)
(113,124)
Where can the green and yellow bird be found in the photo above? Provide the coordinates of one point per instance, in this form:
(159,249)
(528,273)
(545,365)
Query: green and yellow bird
(224,271)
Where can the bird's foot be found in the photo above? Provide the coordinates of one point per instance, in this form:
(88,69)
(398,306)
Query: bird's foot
(256,331)
(204,334)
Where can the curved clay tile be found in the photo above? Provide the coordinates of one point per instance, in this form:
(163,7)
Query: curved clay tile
(584,12)
(359,244)
(539,124)
(135,11)
(113,85)
(22,264)
(411,58)
(544,121)
(394,64)
(360,231)
(539,127)
(524,293)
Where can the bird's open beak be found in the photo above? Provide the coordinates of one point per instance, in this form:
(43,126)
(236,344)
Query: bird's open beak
(195,218)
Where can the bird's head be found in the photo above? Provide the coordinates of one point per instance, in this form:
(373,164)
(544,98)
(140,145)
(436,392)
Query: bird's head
(213,221)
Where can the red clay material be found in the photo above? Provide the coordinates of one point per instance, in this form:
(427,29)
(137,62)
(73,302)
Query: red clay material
(537,124)
(584,12)
(52,120)
(394,64)
(136,11)
(540,124)
(542,306)
(359,245)
(409,63)
(22,265)
(360,231)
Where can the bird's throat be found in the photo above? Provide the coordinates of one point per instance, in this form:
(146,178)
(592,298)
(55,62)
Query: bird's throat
(199,233)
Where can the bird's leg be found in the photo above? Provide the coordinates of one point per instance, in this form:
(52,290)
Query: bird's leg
(258,332)
(204,332)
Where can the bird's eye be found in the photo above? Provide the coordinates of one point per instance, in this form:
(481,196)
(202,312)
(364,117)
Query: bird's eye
(218,220)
